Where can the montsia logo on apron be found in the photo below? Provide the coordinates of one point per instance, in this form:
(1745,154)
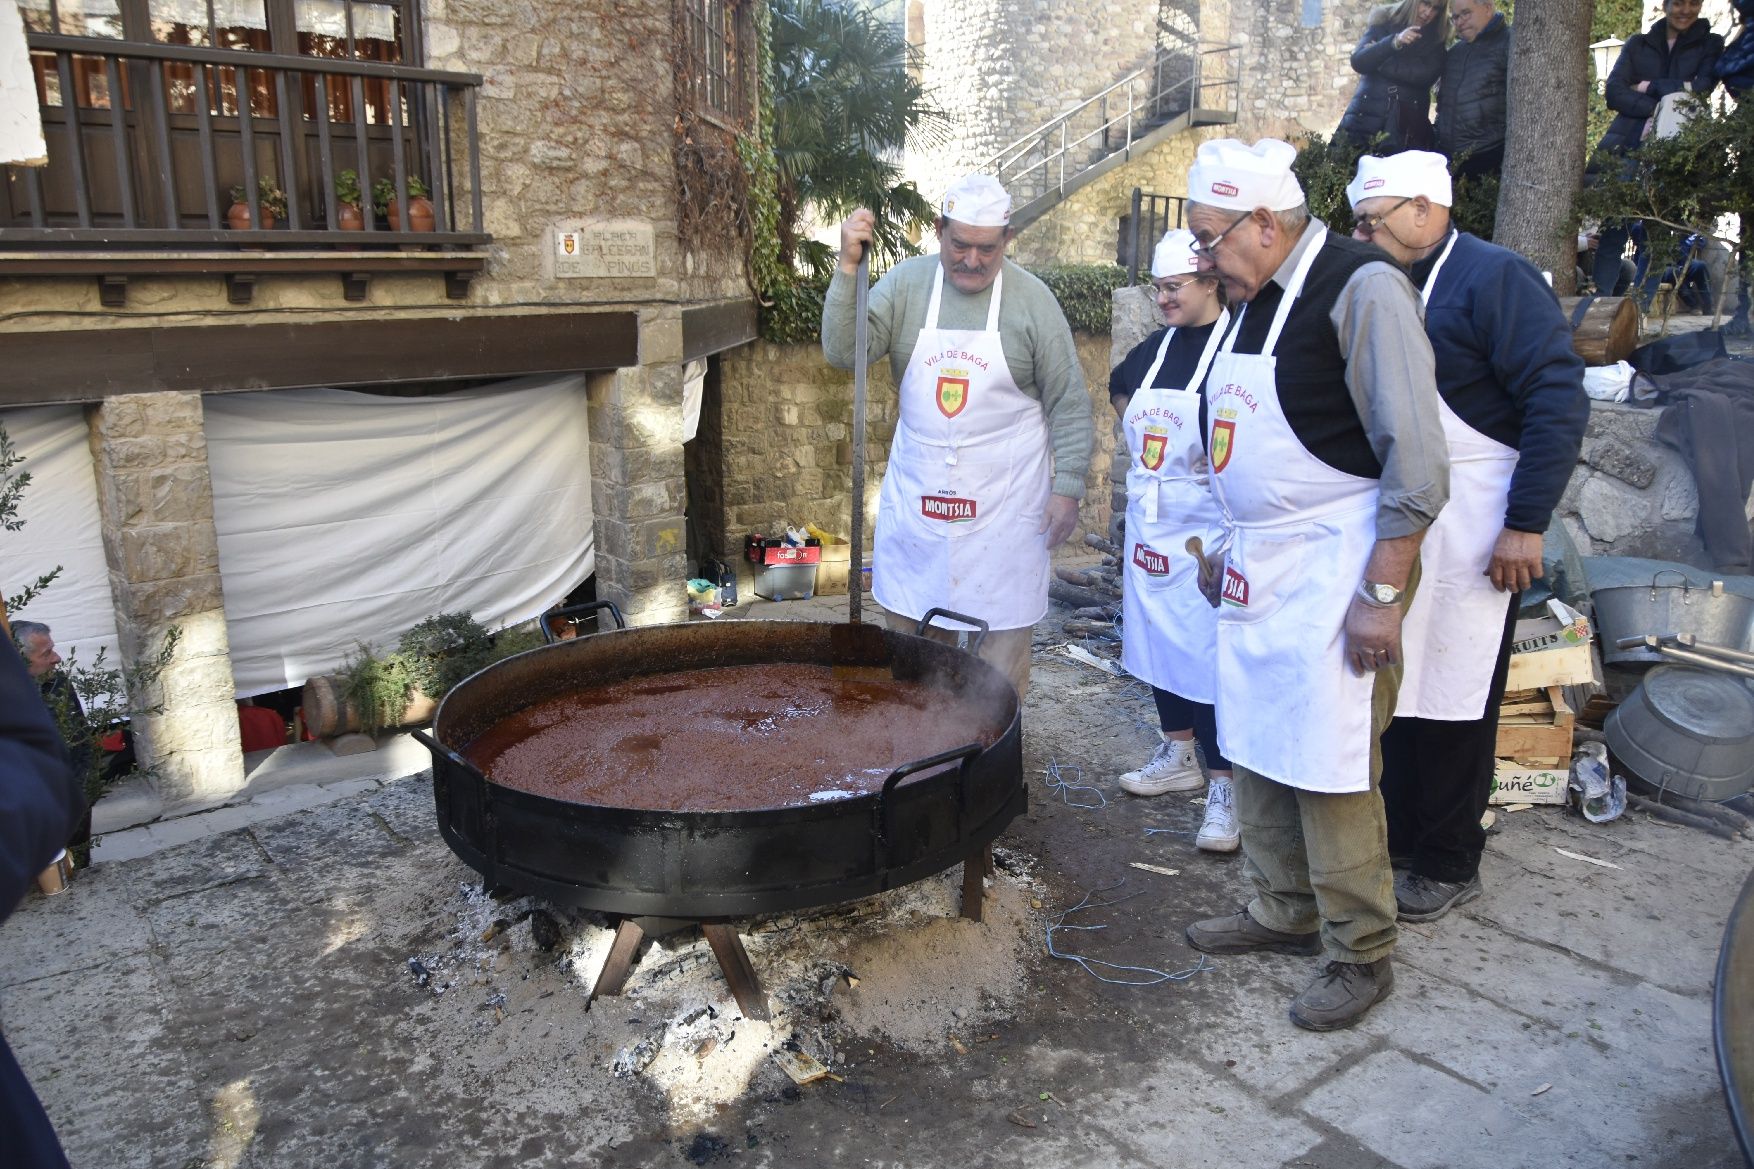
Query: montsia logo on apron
(949,508)
(952,395)
(1153,562)
(1223,442)
(1236,588)
(1152,446)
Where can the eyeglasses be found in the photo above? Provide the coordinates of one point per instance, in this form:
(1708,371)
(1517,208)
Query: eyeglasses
(1177,288)
(1367,225)
(1204,249)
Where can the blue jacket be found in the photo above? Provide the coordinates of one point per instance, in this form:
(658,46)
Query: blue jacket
(1506,367)
(40,806)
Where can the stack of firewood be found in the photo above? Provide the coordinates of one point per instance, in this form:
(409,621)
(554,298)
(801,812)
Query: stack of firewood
(1094,593)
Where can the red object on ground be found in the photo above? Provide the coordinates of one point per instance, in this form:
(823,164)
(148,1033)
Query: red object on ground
(260,728)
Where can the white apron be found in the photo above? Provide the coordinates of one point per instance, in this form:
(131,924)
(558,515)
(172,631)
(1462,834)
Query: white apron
(1168,630)
(1300,534)
(967,485)
(1453,627)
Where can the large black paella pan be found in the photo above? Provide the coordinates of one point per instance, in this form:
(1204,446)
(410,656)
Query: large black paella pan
(739,838)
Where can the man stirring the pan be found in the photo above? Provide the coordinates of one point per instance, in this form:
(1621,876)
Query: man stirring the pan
(987,466)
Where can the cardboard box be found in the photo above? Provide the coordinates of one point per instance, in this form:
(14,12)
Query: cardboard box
(1513,783)
(1551,651)
(831,571)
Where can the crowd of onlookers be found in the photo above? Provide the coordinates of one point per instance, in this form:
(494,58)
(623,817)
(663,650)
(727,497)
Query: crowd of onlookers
(1407,52)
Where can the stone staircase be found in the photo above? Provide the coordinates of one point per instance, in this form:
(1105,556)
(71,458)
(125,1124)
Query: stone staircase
(1175,92)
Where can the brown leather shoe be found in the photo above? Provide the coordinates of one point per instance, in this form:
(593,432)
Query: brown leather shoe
(1240,933)
(1341,994)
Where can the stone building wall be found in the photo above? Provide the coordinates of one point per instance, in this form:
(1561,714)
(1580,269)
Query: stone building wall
(576,119)
(787,417)
(155,504)
(999,69)
(1295,80)
(1085,229)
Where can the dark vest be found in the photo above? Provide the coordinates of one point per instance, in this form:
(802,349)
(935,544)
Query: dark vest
(1310,372)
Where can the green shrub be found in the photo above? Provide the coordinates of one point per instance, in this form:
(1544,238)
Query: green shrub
(443,650)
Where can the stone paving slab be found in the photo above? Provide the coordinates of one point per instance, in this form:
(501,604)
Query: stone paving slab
(243,1000)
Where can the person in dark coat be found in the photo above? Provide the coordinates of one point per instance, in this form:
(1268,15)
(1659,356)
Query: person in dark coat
(1473,97)
(1398,59)
(39,806)
(1678,53)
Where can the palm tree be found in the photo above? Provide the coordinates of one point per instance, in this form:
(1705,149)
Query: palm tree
(846,103)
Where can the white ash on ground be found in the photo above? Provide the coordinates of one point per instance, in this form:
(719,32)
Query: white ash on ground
(902,966)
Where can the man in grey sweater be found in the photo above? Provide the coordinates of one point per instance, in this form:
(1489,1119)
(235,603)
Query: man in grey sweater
(994,431)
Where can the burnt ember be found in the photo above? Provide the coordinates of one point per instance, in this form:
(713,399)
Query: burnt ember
(721,739)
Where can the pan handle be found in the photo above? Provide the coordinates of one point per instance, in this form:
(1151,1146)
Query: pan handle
(1686,583)
(575,610)
(964,753)
(438,748)
(974,640)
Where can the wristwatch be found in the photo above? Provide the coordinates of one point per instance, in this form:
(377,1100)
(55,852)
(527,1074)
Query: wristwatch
(1379,594)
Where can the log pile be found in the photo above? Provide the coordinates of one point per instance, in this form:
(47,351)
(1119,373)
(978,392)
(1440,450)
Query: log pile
(1094,593)
(1608,330)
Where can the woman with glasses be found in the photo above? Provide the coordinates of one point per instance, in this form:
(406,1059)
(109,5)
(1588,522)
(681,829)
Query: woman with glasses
(1168,629)
(1398,60)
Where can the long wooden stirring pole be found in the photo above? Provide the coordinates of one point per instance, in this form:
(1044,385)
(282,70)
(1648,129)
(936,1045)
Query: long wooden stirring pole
(861,343)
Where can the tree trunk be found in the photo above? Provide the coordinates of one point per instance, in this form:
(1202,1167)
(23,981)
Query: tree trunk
(1544,146)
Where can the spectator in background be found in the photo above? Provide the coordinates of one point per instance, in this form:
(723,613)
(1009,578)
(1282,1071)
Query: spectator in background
(1679,53)
(1398,60)
(39,806)
(37,646)
(1587,241)
(1690,277)
(1472,98)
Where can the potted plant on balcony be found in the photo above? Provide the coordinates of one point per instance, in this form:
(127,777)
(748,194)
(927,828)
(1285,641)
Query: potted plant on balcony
(269,197)
(348,196)
(420,212)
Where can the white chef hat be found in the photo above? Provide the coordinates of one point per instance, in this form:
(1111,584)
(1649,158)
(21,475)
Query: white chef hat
(1402,176)
(1174,255)
(1228,172)
(979,201)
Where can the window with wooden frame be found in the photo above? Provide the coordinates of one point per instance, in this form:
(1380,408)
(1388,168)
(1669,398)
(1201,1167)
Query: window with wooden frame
(718,59)
(356,30)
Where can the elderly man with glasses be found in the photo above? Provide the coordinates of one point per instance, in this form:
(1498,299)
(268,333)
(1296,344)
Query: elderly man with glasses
(1514,413)
(1327,462)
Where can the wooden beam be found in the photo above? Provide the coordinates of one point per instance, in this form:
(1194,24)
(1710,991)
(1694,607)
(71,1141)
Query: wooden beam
(90,365)
(714,328)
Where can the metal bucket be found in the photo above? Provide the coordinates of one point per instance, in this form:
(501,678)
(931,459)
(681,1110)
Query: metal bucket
(1709,613)
(1687,731)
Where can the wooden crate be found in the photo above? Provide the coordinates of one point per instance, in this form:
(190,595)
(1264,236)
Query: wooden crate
(1535,727)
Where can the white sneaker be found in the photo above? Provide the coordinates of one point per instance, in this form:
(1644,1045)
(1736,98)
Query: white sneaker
(1174,768)
(1218,832)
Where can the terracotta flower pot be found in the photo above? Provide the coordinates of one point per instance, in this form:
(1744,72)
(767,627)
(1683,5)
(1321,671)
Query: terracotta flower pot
(238,218)
(420,215)
(349,218)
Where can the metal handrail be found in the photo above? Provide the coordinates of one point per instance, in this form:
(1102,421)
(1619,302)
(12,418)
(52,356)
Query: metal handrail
(1059,140)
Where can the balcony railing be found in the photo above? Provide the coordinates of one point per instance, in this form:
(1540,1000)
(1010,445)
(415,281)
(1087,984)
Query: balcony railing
(146,141)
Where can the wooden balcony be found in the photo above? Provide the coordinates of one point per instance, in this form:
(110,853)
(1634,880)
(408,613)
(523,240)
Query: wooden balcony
(147,142)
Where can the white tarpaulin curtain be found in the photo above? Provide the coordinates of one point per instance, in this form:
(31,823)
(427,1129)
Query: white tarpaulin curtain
(346,517)
(61,527)
(21,122)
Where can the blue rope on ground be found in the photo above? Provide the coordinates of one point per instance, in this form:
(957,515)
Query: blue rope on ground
(1056,778)
(1089,965)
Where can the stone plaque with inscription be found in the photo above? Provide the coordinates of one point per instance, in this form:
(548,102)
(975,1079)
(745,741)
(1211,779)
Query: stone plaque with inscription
(604,249)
